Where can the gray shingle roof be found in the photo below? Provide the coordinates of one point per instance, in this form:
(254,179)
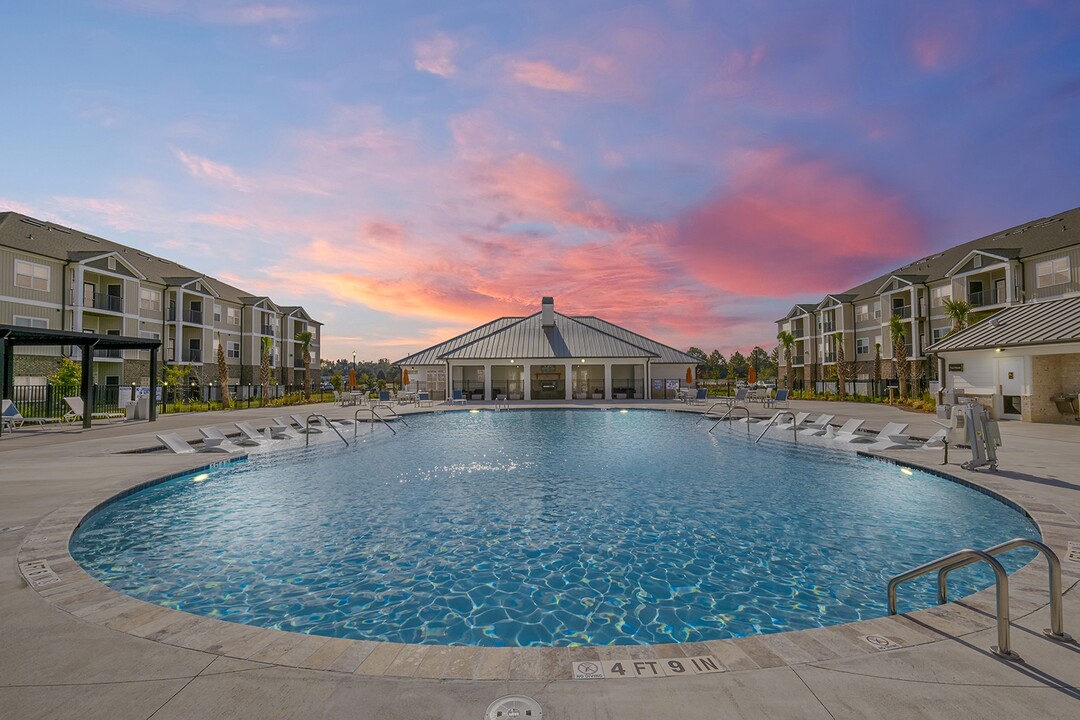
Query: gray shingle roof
(28,234)
(1036,323)
(572,337)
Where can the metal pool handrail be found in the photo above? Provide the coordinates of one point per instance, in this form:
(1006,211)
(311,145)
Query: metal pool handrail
(1001,579)
(326,420)
(1056,631)
(374,416)
(726,416)
(708,413)
(772,421)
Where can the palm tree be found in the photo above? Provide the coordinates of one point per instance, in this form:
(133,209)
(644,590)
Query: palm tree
(305,338)
(877,369)
(787,341)
(959,311)
(841,368)
(223,375)
(898,331)
(264,369)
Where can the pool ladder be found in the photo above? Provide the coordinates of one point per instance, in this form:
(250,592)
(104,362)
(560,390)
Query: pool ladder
(375,415)
(726,416)
(772,421)
(962,558)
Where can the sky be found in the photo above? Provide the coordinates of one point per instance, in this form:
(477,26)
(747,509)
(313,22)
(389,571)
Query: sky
(408,170)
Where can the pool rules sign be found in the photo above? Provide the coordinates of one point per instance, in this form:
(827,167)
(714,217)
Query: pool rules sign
(656,668)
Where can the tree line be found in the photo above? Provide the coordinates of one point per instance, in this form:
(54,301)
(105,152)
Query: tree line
(736,367)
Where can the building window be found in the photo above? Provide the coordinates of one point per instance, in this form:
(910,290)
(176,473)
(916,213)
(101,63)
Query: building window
(1052,272)
(31,322)
(939,295)
(862,346)
(232,349)
(217,313)
(939,333)
(149,299)
(232,316)
(31,275)
(877,310)
(146,334)
(862,313)
(112,263)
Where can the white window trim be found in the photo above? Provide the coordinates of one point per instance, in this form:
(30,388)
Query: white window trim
(232,349)
(152,302)
(232,316)
(33,275)
(30,321)
(1065,271)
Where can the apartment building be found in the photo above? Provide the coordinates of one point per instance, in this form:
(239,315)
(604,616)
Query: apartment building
(1039,260)
(61,278)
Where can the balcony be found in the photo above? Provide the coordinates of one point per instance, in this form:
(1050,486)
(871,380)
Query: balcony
(108,303)
(829,358)
(267,330)
(298,363)
(828,327)
(108,354)
(798,359)
(194,317)
(904,311)
(982,298)
(193,356)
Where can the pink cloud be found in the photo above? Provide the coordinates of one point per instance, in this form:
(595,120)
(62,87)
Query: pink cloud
(220,12)
(435,55)
(791,222)
(545,76)
(232,222)
(214,172)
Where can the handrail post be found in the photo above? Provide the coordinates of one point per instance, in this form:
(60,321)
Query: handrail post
(772,421)
(1056,631)
(1001,578)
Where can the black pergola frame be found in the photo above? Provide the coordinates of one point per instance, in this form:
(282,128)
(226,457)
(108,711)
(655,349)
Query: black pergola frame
(19,335)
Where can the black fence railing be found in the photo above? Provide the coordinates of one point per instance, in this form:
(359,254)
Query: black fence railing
(47,401)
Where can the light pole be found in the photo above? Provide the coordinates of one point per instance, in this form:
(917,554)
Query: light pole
(353,370)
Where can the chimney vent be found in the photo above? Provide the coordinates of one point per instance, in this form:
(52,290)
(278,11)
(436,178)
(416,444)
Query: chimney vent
(547,315)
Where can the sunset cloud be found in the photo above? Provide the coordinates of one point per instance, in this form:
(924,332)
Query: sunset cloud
(435,55)
(545,76)
(213,172)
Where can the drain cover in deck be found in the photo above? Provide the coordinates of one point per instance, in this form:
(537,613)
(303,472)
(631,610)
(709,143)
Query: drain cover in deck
(514,707)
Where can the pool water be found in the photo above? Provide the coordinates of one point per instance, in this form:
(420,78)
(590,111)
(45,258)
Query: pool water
(543,528)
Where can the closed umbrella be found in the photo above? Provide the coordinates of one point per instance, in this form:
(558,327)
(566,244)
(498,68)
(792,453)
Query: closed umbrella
(752,376)
(405,378)
(689,376)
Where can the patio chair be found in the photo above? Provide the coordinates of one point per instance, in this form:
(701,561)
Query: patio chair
(817,427)
(457,398)
(800,418)
(214,433)
(12,418)
(305,426)
(180,446)
(423,399)
(699,397)
(283,422)
(739,398)
(780,400)
(272,432)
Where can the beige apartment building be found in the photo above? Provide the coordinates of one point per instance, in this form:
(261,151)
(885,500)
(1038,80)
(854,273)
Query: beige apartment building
(65,279)
(1032,262)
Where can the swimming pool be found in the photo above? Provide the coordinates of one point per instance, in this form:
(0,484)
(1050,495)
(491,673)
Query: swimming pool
(541,528)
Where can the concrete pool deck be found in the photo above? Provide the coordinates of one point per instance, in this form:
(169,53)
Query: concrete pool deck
(74,648)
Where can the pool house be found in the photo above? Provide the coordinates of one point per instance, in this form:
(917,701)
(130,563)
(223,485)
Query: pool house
(549,356)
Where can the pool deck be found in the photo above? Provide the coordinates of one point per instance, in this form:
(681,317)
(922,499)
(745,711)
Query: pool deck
(72,648)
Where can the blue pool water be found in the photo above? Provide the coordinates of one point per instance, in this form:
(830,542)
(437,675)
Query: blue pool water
(540,528)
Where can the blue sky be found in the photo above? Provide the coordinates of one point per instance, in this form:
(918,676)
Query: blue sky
(409,170)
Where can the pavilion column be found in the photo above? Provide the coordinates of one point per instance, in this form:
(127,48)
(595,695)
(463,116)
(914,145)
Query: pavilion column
(569,375)
(153,383)
(526,381)
(607,380)
(7,369)
(487,382)
(87,384)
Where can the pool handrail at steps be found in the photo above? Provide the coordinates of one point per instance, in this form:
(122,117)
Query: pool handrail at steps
(1001,582)
(727,416)
(1056,631)
(326,421)
(376,416)
(772,421)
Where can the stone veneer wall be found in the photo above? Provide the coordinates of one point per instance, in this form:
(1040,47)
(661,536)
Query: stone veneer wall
(1050,376)
(35,365)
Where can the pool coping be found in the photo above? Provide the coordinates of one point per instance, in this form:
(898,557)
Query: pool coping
(67,587)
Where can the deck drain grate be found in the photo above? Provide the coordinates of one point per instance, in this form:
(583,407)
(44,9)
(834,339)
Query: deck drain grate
(1073,552)
(514,707)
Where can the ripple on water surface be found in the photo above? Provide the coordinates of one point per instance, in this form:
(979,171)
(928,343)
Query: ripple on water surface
(543,528)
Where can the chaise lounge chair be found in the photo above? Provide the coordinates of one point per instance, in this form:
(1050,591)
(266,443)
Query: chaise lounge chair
(215,434)
(76,411)
(180,446)
(272,432)
(12,418)
(891,437)
(849,433)
(817,427)
(800,418)
(457,398)
(935,441)
(305,426)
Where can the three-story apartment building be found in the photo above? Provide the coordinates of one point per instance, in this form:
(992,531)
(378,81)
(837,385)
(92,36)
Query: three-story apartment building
(1038,260)
(61,278)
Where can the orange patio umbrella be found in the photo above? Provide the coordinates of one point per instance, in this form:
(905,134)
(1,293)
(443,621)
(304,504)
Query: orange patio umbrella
(689,376)
(752,376)
(405,377)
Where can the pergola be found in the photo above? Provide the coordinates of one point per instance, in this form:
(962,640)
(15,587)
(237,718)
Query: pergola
(16,335)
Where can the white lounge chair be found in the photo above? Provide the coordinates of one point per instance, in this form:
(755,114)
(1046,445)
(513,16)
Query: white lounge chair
(250,432)
(179,445)
(305,426)
(214,433)
(12,418)
(849,432)
(800,418)
(935,441)
(891,437)
(817,427)
(77,411)
(278,429)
